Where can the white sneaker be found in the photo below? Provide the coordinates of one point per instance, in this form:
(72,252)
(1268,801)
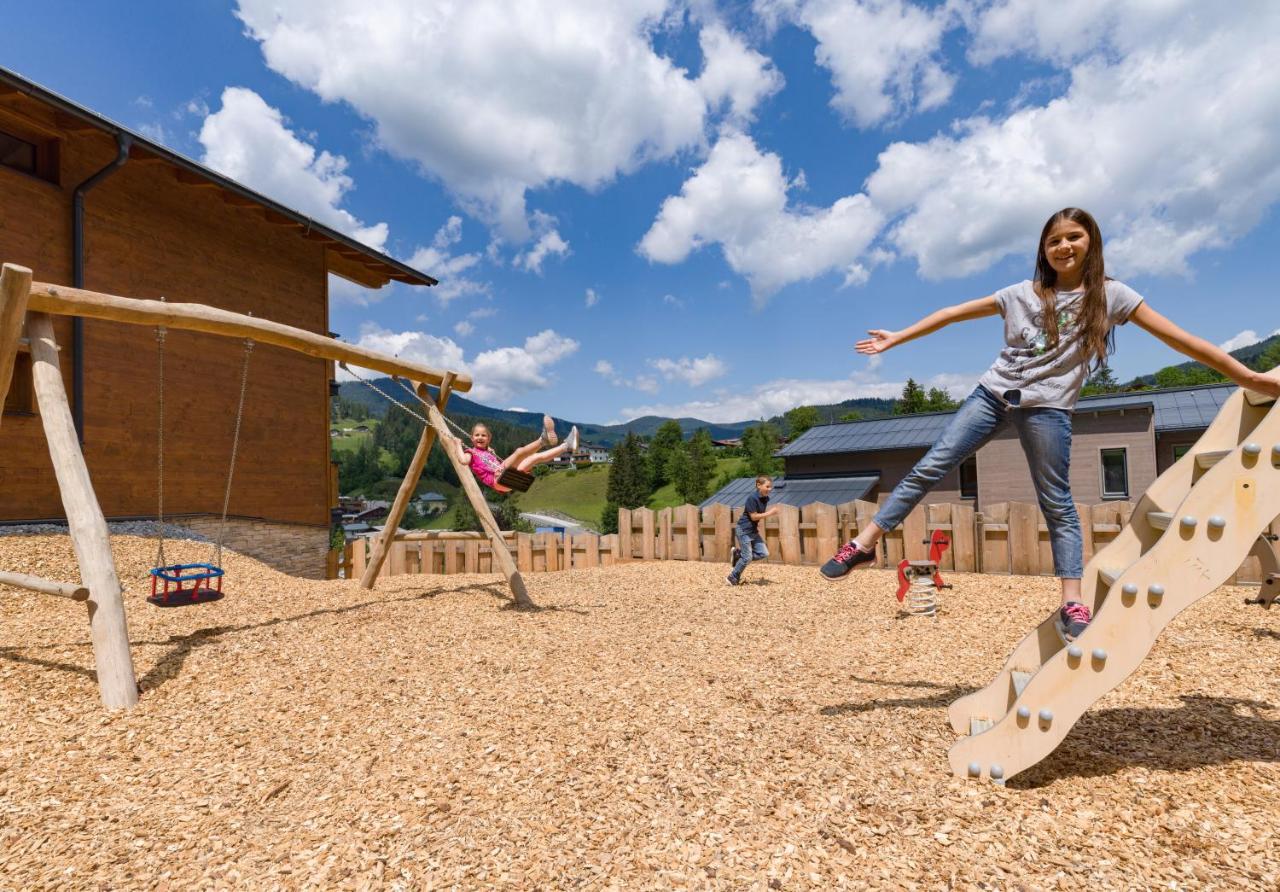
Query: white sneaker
(572,440)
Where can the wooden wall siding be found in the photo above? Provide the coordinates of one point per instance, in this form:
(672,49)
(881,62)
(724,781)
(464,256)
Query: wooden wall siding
(1003,474)
(147,235)
(1008,538)
(1165,444)
(891,465)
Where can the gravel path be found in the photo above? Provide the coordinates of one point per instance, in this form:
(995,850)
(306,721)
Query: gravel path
(650,727)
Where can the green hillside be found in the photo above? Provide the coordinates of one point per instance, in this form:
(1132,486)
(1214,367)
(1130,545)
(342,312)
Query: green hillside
(580,494)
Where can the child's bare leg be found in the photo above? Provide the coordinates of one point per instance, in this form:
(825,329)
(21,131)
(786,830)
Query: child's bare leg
(541,458)
(867,538)
(518,456)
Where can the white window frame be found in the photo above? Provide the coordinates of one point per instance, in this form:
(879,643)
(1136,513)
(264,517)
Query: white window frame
(1102,474)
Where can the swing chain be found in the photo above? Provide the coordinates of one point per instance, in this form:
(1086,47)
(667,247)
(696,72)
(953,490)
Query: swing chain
(383,394)
(414,394)
(160,561)
(235,448)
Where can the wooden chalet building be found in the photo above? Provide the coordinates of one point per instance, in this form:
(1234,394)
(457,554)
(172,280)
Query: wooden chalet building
(1120,444)
(85,202)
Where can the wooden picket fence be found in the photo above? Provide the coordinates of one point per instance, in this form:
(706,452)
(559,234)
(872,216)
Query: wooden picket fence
(1006,538)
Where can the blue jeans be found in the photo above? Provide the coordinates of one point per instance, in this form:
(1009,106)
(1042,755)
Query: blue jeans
(1046,440)
(752,548)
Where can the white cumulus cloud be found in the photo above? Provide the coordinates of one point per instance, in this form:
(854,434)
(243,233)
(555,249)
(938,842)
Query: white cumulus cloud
(494,98)
(499,374)
(738,199)
(734,73)
(591,299)
(452,271)
(549,244)
(247,140)
(694,372)
(884,55)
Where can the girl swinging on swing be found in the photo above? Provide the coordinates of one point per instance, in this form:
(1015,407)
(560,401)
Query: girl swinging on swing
(486,465)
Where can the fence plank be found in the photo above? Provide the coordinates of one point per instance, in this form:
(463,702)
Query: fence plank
(663,548)
(647,549)
(1086,532)
(827,536)
(591,557)
(609,550)
(789,533)
(566,551)
(771,534)
(939,516)
(471,556)
(1024,539)
(692,532)
(624,535)
(995,542)
(863,513)
(913,534)
(359,557)
(1044,549)
(963,531)
(723,534)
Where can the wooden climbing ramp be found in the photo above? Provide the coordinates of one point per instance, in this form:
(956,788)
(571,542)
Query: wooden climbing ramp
(1187,534)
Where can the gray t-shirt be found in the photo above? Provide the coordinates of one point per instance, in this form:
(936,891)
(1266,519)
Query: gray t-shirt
(1047,378)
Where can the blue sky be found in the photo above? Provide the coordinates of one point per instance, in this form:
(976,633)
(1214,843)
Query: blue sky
(696,207)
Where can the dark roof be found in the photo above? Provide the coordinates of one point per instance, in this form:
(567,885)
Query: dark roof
(798,491)
(1184,408)
(377,266)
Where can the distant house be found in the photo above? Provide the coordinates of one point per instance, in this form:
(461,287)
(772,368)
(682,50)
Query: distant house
(361,428)
(335,432)
(374,510)
(432,503)
(596,454)
(733,443)
(1120,444)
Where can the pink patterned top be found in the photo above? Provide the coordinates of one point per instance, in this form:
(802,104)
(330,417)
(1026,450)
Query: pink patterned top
(485,464)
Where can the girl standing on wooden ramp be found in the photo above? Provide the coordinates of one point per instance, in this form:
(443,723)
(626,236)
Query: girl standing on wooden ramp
(1057,328)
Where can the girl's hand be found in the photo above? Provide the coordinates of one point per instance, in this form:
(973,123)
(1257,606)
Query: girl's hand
(880,341)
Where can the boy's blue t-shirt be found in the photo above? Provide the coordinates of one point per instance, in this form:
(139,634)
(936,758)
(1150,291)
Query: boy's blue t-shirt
(756,504)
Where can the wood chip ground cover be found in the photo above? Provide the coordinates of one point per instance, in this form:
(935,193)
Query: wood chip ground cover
(650,727)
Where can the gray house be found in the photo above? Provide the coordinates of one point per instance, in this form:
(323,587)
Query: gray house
(1120,444)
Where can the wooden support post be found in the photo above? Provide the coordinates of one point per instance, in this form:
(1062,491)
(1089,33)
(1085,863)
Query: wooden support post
(89,537)
(15,286)
(723,533)
(828,538)
(45,586)
(623,551)
(407,486)
(789,534)
(501,553)
(692,532)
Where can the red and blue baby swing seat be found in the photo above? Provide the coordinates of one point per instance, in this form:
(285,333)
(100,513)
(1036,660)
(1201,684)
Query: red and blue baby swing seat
(185,584)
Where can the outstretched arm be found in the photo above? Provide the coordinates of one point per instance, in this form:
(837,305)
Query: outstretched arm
(1202,351)
(881,339)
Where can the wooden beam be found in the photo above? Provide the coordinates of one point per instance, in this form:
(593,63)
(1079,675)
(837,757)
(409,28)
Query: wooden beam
(46,298)
(501,553)
(15,286)
(278,219)
(353,271)
(45,586)
(117,683)
(237,200)
(388,535)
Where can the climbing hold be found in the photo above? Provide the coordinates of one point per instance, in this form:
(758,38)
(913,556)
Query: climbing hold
(1155,591)
(1252,449)
(1130,588)
(997,772)
(974,769)
(1100,655)
(1217,522)
(1024,713)
(1188,520)
(1074,652)
(1046,716)
(1275,452)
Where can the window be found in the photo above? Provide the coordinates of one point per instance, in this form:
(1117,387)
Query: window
(29,154)
(969,478)
(1180,449)
(20,400)
(1115,473)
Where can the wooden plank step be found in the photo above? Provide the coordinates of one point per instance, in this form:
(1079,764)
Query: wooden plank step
(977,726)
(1159,519)
(1209,459)
(1020,681)
(1258,399)
(1109,575)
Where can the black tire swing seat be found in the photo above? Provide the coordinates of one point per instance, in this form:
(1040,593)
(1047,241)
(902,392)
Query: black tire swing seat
(183,585)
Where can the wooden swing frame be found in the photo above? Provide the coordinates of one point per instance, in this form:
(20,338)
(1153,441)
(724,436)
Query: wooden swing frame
(36,302)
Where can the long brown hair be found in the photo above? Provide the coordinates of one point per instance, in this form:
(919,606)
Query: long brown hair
(1093,323)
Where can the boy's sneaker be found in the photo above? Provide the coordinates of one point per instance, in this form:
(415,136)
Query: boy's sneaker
(735,556)
(729,579)
(1073,619)
(850,556)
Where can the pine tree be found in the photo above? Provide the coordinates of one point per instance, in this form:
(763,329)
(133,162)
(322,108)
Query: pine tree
(701,464)
(628,485)
(665,440)
(940,401)
(760,443)
(912,401)
(1101,381)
